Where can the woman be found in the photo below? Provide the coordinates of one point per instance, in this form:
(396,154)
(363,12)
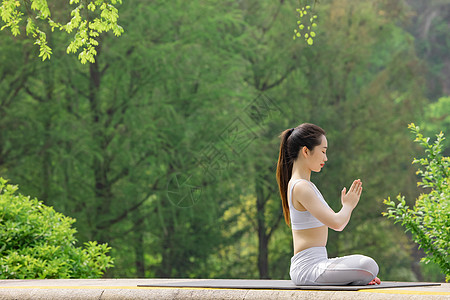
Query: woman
(303,149)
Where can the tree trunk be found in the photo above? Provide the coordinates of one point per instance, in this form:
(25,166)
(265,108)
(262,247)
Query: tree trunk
(165,269)
(100,167)
(138,230)
(263,258)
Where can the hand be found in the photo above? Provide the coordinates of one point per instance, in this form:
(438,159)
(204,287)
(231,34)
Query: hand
(352,197)
(375,281)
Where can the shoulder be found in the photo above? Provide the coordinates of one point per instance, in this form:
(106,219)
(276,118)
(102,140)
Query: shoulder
(303,190)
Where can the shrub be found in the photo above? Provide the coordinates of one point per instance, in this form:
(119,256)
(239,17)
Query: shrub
(38,242)
(429,220)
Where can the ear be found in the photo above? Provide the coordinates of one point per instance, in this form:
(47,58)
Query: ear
(305,151)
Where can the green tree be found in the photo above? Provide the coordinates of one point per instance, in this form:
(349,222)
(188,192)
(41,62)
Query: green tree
(271,61)
(38,242)
(104,141)
(429,219)
(88,20)
(173,99)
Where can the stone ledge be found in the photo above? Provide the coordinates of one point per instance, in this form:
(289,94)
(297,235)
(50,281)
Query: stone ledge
(128,289)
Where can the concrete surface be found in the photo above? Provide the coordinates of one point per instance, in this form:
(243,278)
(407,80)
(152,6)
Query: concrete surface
(128,289)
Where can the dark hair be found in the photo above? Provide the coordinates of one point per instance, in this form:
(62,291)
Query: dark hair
(292,140)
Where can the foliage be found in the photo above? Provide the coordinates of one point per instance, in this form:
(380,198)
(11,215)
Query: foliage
(88,20)
(429,219)
(305,29)
(38,242)
(104,143)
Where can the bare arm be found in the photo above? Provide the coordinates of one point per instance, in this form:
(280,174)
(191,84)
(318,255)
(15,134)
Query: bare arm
(336,221)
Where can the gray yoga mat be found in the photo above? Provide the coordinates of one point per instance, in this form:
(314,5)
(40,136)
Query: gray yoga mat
(276,284)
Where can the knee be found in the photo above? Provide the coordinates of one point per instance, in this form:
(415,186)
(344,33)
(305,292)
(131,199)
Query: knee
(369,264)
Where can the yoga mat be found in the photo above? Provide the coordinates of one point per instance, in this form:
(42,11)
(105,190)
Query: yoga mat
(277,284)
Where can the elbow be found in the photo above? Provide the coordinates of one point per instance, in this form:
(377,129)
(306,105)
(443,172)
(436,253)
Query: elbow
(337,226)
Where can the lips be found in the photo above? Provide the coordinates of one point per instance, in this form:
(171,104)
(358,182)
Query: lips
(322,165)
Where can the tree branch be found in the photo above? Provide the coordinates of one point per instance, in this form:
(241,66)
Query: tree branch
(274,226)
(279,81)
(129,210)
(35,96)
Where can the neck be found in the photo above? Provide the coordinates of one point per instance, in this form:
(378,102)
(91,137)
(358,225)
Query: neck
(300,171)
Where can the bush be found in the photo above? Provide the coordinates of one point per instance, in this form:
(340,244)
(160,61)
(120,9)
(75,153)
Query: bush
(37,242)
(429,220)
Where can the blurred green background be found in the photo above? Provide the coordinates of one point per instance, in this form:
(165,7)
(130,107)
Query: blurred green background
(166,147)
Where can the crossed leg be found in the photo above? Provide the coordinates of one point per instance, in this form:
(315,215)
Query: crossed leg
(350,270)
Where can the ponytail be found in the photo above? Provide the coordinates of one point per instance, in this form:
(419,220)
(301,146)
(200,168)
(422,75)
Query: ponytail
(284,172)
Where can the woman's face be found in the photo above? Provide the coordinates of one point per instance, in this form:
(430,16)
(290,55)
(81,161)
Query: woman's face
(317,158)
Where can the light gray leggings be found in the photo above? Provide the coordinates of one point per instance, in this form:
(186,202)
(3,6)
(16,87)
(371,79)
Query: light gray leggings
(313,267)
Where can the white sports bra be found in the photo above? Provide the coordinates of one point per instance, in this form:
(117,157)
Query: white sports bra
(304,219)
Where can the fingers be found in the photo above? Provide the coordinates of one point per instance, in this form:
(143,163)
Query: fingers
(356,187)
(352,188)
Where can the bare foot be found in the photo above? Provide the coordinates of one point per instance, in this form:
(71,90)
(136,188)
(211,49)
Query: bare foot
(375,281)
